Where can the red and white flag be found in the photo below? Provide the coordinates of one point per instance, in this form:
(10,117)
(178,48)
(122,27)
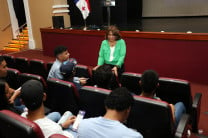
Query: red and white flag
(84,7)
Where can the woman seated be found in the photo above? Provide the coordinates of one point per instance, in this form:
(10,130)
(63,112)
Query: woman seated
(112,51)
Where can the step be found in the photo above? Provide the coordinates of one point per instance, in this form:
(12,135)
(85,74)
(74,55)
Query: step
(16,45)
(14,41)
(25,31)
(23,35)
(23,38)
(11,49)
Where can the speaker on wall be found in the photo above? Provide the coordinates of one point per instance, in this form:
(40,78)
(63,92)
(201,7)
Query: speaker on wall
(58,22)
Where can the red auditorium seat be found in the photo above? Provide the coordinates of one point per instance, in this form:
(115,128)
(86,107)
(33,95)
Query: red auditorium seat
(153,119)
(13,125)
(62,96)
(131,80)
(174,90)
(38,67)
(9,60)
(21,63)
(92,100)
(13,78)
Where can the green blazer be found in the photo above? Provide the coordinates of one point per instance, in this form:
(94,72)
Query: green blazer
(119,53)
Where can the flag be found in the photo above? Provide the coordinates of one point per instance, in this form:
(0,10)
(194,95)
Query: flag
(84,7)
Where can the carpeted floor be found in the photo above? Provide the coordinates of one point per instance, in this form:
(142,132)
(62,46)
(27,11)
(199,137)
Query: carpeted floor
(195,87)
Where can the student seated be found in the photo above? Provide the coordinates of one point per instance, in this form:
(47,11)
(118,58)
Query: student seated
(33,96)
(104,77)
(67,70)
(149,83)
(5,95)
(118,105)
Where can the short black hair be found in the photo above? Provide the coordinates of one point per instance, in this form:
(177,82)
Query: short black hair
(119,99)
(32,94)
(149,81)
(1,59)
(103,76)
(59,49)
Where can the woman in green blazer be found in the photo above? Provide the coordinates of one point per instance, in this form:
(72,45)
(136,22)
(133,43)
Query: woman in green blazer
(112,51)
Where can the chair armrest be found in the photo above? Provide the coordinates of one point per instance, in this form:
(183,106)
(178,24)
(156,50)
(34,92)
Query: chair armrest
(182,128)
(196,108)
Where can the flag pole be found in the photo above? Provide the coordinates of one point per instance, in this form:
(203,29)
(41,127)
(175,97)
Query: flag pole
(85,25)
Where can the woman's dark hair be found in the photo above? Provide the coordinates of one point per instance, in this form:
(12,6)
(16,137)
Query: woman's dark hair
(104,77)
(115,32)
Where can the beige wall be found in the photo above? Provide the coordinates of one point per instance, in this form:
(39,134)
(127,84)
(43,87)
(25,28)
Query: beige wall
(41,17)
(5,26)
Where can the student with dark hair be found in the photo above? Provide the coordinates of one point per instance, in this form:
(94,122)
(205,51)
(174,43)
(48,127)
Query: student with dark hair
(3,74)
(61,53)
(149,83)
(118,105)
(112,50)
(103,77)
(67,70)
(4,98)
(33,96)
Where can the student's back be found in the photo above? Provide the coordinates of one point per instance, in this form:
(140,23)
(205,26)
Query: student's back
(101,127)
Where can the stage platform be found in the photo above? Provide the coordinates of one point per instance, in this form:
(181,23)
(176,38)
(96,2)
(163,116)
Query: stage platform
(167,24)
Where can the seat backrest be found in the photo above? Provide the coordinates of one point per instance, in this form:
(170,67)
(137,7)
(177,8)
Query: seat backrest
(57,136)
(38,67)
(23,77)
(9,60)
(13,125)
(21,63)
(92,100)
(62,96)
(82,71)
(131,80)
(175,90)
(153,118)
(13,78)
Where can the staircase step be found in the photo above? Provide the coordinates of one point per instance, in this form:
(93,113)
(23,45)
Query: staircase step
(16,45)
(15,41)
(23,35)
(25,31)
(23,38)
(11,49)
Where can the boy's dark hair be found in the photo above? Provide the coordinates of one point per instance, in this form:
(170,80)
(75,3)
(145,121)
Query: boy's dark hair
(149,81)
(1,59)
(103,77)
(59,49)
(119,99)
(32,94)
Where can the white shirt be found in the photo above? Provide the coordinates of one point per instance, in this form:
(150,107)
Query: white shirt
(49,127)
(111,53)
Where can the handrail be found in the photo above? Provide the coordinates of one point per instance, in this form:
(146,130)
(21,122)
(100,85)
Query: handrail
(21,27)
(7,26)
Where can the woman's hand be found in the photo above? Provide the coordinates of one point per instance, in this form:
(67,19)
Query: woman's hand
(96,67)
(115,70)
